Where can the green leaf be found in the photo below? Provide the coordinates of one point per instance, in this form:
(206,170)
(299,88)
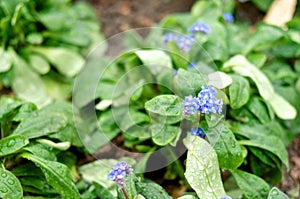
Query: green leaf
(219,80)
(66,61)
(202,169)
(102,192)
(8,104)
(129,187)
(251,185)
(260,137)
(10,186)
(188,83)
(12,144)
(154,60)
(229,152)
(239,91)
(241,65)
(27,84)
(166,135)
(150,190)
(39,64)
(41,151)
(57,175)
(165,108)
(259,109)
(275,193)
(41,125)
(5,60)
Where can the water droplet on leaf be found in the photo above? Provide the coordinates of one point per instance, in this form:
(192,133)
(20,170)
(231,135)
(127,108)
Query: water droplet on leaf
(4,190)
(11,143)
(3,175)
(10,181)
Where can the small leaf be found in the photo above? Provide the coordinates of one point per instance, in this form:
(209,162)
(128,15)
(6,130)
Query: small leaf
(165,108)
(275,193)
(152,189)
(12,144)
(39,64)
(10,186)
(239,91)
(41,151)
(188,83)
(166,135)
(66,61)
(202,169)
(251,185)
(259,109)
(5,60)
(57,175)
(219,80)
(154,60)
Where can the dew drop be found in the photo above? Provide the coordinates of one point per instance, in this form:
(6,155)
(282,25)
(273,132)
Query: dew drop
(3,175)
(154,197)
(233,144)
(11,143)
(275,192)
(10,181)
(4,190)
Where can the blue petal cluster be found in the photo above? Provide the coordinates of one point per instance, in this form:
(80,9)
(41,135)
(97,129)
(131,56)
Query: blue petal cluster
(206,102)
(197,132)
(225,197)
(190,105)
(228,17)
(185,42)
(119,172)
(170,37)
(200,27)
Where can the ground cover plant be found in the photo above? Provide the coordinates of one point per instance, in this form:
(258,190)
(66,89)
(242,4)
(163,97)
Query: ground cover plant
(202,97)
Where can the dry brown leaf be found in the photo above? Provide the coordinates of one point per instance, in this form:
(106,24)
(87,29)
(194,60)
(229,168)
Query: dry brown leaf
(280,12)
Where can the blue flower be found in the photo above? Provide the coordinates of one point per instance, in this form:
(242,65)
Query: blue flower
(119,172)
(228,17)
(190,105)
(208,102)
(170,37)
(225,197)
(191,65)
(200,27)
(185,42)
(197,132)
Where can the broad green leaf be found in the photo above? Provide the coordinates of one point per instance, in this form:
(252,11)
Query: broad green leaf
(259,109)
(39,184)
(251,185)
(222,139)
(202,169)
(241,65)
(263,5)
(154,60)
(188,83)
(8,104)
(275,193)
(265,35)
(260,137)
(12,144)
(66,61)
(27,169)
(102,192)
(152,189)
(166,135)
(165,108)
(209,10)
(219,80)
(239,91)
(27,84)
(5,60)
(41,125)
(10,186)
(39,64)
(41,151)
(57,175)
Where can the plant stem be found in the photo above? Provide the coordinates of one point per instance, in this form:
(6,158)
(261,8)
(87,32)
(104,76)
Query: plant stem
(124,192)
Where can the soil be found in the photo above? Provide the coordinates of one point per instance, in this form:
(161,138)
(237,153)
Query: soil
(117,16)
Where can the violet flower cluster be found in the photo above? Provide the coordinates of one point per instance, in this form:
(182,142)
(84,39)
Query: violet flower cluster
(119,172)
(185,42)
(197,132)
(206,102)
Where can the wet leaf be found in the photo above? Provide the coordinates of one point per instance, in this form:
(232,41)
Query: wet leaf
(12,144)
(10,186)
